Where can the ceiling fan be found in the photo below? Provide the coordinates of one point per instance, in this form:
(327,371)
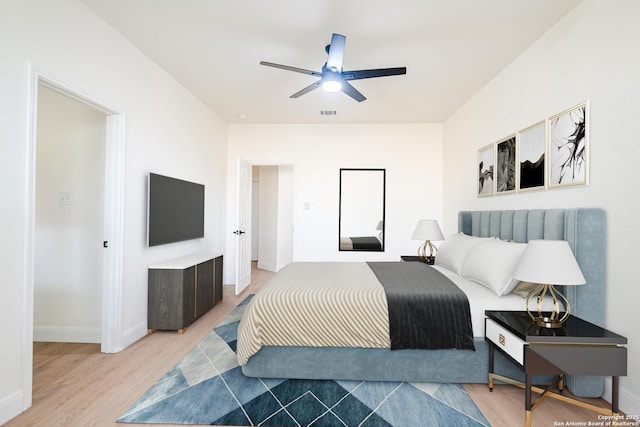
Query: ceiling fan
(332,78)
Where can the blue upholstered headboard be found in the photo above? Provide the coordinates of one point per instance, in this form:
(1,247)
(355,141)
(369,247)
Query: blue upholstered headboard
(583,228)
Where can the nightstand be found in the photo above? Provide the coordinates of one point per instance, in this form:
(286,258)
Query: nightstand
(578,348)
(416,258)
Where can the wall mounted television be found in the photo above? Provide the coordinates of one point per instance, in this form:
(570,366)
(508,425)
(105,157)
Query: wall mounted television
(175,210)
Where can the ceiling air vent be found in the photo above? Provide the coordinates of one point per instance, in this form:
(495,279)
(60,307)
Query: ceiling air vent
(328,112)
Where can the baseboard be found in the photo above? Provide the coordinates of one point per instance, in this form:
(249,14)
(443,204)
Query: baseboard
(270,267)
(267,266)
(628,403)
(11,407)
(132,335)
(67,334)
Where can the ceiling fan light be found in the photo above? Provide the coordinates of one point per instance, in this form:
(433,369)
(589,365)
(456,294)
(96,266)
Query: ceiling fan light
(331,86)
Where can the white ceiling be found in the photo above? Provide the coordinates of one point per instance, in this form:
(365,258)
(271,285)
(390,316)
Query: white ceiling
(451,48)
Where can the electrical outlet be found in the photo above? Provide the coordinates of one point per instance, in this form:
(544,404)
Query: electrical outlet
(65,198)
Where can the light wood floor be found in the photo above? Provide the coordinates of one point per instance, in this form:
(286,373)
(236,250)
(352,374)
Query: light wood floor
(76,385)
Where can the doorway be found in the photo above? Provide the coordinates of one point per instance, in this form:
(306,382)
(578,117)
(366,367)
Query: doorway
(112,278)
(111,281)
(273,216)
(69,219)
(270,217)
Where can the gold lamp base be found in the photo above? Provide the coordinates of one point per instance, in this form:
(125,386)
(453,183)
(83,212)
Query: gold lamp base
(554,320)
(548,322)
(422,252)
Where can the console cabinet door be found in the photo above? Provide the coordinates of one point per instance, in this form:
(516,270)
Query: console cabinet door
(217,280)
(188,306)
(204,288)
(171,299)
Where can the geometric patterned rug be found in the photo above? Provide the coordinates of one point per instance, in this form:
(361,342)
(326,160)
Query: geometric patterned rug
(207,387)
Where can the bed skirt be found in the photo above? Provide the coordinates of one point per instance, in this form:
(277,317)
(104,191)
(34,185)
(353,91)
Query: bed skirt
(378,364)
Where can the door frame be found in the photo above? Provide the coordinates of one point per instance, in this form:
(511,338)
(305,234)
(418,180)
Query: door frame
(113,255)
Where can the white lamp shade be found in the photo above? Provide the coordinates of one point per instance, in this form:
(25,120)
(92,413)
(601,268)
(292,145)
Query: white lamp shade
(549,262)
(427,229)
(379,226)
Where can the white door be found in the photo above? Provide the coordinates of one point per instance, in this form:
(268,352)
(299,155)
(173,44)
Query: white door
(243,226)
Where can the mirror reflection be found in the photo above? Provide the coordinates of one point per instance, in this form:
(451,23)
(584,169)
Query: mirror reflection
(361,216)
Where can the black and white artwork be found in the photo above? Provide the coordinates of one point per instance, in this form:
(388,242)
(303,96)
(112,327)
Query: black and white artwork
(506,165)
(531,157)
(568,145)
(485,171)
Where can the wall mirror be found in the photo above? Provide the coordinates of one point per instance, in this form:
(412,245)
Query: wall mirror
(361,211)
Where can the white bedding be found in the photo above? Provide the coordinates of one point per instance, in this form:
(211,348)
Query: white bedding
(481,299)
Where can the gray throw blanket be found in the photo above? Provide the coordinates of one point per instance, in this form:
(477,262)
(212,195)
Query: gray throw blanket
(426,309)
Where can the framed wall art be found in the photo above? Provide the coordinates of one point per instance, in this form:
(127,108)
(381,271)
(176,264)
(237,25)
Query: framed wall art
(505,171)
(568,147)
(485,171)
(531,149)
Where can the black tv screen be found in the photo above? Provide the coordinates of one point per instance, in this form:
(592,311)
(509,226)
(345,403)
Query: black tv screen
(175,210)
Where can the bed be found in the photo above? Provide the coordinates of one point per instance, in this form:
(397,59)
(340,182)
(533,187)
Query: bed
(361,243)
(370,356)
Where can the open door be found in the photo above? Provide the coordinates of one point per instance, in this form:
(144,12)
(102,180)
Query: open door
(243,226)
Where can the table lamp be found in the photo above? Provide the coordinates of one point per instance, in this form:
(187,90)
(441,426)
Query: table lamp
(549,263)
(427,230)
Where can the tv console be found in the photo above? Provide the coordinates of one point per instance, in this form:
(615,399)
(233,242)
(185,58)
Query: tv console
(181,290)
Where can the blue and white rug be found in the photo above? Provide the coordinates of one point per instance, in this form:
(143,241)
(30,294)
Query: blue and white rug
(207,387)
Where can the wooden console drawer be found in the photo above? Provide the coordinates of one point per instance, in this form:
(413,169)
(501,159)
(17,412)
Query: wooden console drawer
(505,340)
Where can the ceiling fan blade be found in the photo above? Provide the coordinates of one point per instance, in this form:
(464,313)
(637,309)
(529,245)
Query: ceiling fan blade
(352,91)
(336,52)
(289,68)
(369,74)
(307,89)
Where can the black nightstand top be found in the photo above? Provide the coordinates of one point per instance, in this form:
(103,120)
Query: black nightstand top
(416,258)
(574,330)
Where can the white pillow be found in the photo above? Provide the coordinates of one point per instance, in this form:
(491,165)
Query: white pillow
(492,264)
(523,289)
(454,250)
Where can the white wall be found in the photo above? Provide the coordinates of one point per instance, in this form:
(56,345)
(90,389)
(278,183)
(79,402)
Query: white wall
(255,212)
(591,54)
(168,131)
(411,154)
(285,216)
(68,237)
(273,216)
(268,220)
